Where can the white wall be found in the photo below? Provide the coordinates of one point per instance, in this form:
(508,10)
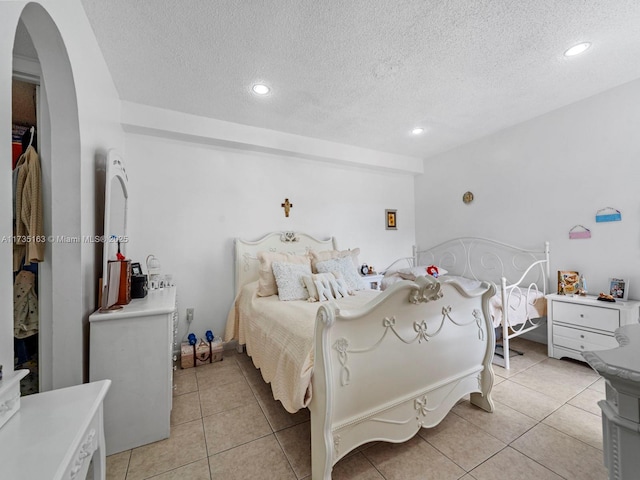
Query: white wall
(85,114)
(535,181)
(188,201)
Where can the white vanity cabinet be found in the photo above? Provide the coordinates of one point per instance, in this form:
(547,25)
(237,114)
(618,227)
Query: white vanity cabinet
(133,347)
(576,324)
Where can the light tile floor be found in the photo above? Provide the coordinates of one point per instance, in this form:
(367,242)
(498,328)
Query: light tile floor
(226,425)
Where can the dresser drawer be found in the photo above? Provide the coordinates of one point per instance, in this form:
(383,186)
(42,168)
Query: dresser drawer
(581,340)
(600,318)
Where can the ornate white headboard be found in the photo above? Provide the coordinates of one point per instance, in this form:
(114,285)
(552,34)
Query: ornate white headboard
(246,251)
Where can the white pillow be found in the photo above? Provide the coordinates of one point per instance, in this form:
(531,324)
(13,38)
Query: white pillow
(289,280)
(323,255)
(346,268)
(413,272)
(324,286)
(341,289)
(319,286)
(266,281)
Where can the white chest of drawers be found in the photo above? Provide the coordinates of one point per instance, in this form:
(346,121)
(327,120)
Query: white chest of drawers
(576,324)
(133,347)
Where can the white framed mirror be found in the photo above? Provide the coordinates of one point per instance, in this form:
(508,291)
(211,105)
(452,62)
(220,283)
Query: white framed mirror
(116,198)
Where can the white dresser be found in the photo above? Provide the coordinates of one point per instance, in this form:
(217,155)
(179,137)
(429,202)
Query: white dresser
(133,347)
(576,324)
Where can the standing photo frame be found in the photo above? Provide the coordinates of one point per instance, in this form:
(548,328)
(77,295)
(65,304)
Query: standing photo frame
(619,288)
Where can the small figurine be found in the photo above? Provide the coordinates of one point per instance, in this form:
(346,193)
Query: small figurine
(582,290)
(433,271)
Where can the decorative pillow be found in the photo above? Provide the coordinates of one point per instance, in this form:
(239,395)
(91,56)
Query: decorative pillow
(267,285)
(325,280)
(413,272)
(341,289)
(289,280)
(333,254)
(346,268)
(323,287)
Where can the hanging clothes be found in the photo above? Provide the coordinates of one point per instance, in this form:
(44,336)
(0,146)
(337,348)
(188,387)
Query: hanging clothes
(30,239)
(25,305)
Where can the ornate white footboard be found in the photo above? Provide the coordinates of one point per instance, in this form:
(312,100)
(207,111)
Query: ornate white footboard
(384,371)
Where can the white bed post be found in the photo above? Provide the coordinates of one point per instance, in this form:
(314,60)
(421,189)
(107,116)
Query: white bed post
(322,443)
(547,286)
(505,322)
(483,399)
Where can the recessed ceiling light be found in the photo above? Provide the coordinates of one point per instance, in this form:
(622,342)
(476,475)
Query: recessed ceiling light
(417,131)
(577,49)
(260,89)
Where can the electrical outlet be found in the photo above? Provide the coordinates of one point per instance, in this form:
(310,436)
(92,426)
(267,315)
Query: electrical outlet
(189,315)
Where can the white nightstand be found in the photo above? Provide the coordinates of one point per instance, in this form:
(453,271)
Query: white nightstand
(576,324)
(374,281)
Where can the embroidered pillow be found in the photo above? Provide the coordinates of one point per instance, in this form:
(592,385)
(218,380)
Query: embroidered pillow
(289,280)
(333,254)
(267,285)
(346,268)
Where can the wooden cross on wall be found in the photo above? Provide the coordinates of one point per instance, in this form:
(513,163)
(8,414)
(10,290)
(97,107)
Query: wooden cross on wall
(287,207)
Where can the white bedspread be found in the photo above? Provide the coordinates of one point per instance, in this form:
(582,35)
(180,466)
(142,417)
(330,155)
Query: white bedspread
(279,338)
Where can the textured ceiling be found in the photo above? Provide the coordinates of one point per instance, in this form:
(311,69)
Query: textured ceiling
(365,72)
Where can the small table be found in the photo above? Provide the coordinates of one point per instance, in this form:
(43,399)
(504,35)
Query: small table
(55,434)
(373,281)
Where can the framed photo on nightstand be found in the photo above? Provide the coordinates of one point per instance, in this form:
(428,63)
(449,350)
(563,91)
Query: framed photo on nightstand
(619,288)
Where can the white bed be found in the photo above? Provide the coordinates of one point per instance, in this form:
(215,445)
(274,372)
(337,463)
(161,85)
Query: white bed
(521,276)
(372,366)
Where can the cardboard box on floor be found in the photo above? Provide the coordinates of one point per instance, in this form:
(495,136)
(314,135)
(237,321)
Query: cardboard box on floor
(201,353)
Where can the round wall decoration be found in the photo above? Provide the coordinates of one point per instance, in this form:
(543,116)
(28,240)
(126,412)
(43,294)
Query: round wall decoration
(467,197)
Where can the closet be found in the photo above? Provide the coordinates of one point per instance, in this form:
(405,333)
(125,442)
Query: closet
(28,230)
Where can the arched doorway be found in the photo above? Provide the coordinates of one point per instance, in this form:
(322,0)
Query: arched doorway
(60,276)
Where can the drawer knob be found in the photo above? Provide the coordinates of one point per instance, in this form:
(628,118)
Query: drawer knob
(581,347)
(581,336)
(582,315)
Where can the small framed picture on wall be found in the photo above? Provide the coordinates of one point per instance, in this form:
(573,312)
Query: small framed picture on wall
(391,219)
(619,288)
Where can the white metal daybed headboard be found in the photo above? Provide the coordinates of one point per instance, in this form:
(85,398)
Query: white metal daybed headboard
(485,259)
(246,251)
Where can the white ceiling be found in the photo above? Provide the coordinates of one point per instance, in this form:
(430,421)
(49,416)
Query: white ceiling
(365,72)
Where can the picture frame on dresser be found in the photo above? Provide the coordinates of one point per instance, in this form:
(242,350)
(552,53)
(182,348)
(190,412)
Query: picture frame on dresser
(136,269)
(568,282)
(619,289)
